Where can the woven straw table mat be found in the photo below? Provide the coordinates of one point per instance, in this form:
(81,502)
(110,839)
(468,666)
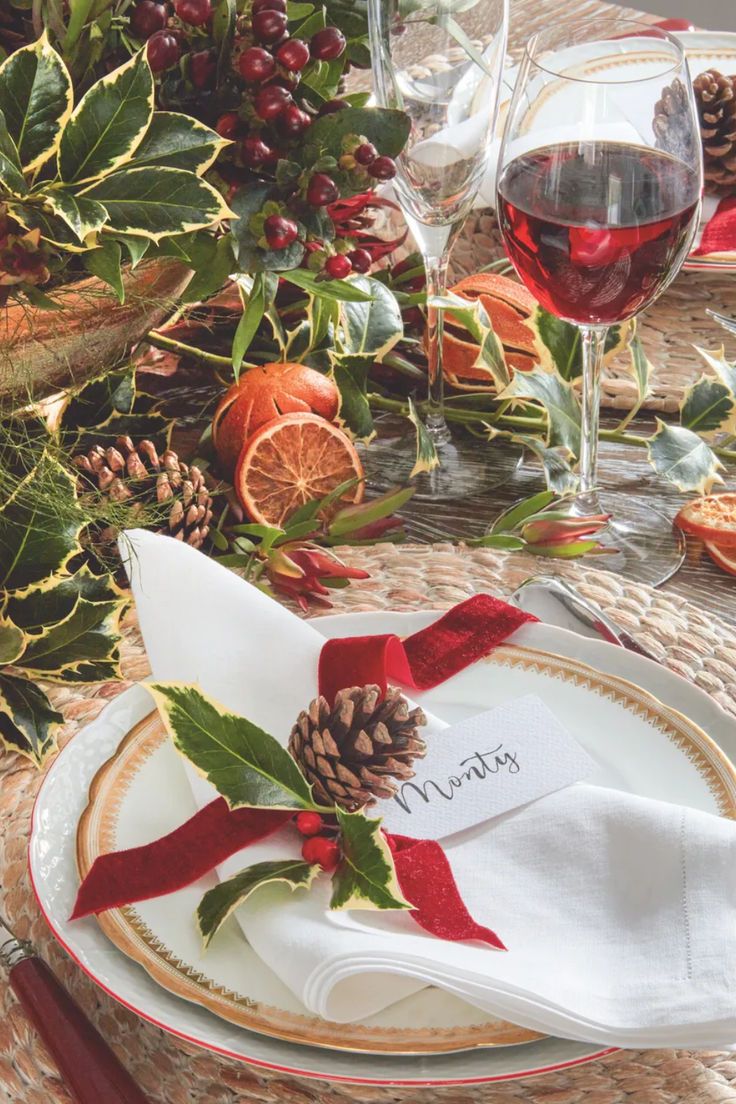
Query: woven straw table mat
(408,577)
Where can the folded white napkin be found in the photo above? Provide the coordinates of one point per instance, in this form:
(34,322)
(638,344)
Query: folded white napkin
(619,912)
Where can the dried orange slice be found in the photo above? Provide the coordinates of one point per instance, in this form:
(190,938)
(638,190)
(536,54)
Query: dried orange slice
(292,460)
(710,518)
(723,557)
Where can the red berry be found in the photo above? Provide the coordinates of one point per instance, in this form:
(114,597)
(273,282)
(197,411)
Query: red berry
(360,259)
(279,233)
(294,121)
(365,154)
(256,64)
(332,107)
(254,152)
(383,168)
(321,850)
(321,190)
(162,51)
(228,125)
(309,824)
(269,26)
(293,55)
(271,101)
(268,5)
(194,12)
(148,17)
(201,68)
(327,44)
(338,267)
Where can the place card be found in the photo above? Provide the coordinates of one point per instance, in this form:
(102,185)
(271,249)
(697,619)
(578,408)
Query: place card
(484,766)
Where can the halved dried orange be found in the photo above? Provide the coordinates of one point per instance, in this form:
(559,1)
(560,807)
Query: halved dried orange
(711,518)
(725,558)
(292,460)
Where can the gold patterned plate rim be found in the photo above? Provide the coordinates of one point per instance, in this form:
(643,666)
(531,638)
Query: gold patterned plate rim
(125,929)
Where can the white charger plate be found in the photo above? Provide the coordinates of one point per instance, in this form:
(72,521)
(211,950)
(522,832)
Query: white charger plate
(634,765)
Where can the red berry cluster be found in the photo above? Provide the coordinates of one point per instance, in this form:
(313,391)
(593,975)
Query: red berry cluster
(151,20)
(317,848)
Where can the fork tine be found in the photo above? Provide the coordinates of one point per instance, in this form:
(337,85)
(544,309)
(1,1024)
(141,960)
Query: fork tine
(723,320)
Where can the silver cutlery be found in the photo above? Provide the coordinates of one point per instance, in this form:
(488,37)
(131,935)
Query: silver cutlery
(723,320)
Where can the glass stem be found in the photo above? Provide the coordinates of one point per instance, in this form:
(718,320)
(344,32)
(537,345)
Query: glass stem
(594,342)
(436,268)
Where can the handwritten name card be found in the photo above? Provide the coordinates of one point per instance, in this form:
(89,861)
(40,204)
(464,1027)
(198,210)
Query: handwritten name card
(484,766)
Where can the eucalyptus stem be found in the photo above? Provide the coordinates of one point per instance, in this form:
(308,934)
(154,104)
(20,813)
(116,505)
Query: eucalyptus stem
(172,346)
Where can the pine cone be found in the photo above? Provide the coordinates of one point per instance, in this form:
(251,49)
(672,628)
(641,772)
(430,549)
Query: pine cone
(716,99)
(129,471)
(351,753)
(672,123)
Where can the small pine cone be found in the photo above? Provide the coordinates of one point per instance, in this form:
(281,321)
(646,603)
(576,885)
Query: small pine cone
(716,98)
(127,471)
(672,123)
(356,751)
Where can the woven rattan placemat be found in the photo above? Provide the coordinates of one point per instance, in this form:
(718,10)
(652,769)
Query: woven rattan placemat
(402,578)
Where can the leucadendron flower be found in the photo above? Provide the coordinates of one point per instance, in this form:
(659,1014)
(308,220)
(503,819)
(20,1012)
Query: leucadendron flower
(547,525)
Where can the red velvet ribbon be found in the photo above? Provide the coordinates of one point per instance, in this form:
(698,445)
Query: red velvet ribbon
(460,637)
(719,235)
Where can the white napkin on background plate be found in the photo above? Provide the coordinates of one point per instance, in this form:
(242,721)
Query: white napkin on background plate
(619,912)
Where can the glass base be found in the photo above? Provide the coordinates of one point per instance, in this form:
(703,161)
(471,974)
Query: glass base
(467,466)
(645,546)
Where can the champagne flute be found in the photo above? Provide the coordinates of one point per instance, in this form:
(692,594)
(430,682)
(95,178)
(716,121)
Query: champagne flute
(598,205)
(441,62)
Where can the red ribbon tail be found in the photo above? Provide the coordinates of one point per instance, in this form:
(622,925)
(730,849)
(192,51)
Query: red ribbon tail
(719,235)
(427,882)
(174,860)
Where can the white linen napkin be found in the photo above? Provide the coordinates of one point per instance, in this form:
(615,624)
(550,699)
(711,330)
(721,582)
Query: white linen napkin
(619,912)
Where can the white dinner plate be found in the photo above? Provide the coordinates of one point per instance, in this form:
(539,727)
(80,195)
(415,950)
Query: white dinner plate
(642,759)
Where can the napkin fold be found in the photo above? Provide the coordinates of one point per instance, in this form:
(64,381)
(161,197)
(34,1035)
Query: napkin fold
(618,911)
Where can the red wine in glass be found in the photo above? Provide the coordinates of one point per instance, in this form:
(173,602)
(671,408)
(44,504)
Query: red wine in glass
(596,230)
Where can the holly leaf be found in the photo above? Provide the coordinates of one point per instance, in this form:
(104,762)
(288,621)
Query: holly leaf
(561,341)
(106,263)
(708,405)
(12,642)
(373,327)
(558,398)
(350,374)
(179,142)
(683,458)
(426,458)
(114,392)
(387,129)
(83,216)
(10,171)
(716,360)
(53,600)
(108,124)
(476,320)
(558,474)
(36,97)
(28,722)
(221,902)
(641,370)
(365,877)
(243,763)
(83,646)
(40,525)
(155,202)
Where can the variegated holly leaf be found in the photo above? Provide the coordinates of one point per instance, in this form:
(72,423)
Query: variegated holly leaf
(426,458)
(106,263)
(707,406)
(246,765)
(562,342)
(11,175)
(114,392)
(12,642)
(36,98)
(108,124)
(28,721)
(179,142)
(83,647)
(716,361)
(641,370)
(476,320)
(374,327)
(83,216)
(558,473)
(155,202)
(350,374)
(47,603)
(365,877)
(39,532)
(55,230)
(221,902)
(683,458)
(558,398)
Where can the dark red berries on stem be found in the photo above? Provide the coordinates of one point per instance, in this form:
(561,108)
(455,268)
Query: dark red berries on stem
(338,267)
(365,154)
(162,51)
(254,152)
(321,190)
(202,68)
(269,26)
(322,851)
(279,232)
(228,125)
(256,64)
(360,259)
(383,168)
(332,107)
(293,55)
(147,18)
(271,101)
(309,824)
(268,5)
(194,12)
(293,121)
(327,44)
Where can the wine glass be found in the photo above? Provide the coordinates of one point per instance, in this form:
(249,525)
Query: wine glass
(441,62)
(598,203)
